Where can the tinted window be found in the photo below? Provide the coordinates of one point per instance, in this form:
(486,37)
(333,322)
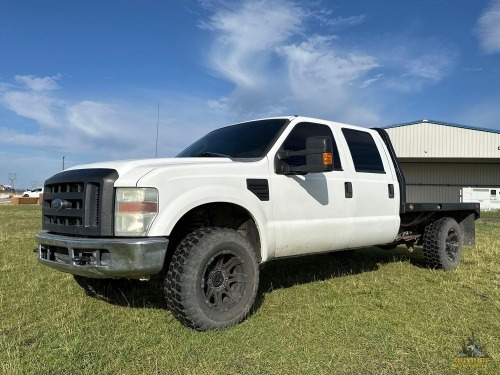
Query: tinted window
(296,141)
(364,151)
(247,140)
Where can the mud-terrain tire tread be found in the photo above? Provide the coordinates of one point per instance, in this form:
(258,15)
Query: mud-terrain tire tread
(435,244)
(183,277)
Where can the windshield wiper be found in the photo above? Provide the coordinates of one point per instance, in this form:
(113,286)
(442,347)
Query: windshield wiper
(211,155)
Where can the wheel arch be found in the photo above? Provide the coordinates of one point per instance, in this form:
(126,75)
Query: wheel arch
(218,214)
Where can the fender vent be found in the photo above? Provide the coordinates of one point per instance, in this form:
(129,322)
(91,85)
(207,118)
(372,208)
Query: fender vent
(260,187)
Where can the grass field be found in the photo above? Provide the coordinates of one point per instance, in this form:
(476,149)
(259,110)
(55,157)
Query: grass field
(490,214)
(365,312)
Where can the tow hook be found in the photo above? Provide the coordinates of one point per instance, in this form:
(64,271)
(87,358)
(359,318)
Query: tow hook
(82,261)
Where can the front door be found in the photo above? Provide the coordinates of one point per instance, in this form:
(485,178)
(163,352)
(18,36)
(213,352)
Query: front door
(311,212)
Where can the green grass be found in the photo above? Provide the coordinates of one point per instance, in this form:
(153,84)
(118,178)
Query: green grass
(490,214)
(364,312)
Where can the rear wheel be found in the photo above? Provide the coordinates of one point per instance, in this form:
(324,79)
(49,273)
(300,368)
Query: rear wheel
(443,243)
(212,279)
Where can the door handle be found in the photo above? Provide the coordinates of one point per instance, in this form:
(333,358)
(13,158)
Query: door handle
(391,190)
(348,189)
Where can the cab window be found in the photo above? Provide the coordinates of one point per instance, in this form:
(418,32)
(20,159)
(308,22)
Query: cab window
(364,151)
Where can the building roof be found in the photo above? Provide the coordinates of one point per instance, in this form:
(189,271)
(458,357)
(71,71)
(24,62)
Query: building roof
(434,139)
(451,124)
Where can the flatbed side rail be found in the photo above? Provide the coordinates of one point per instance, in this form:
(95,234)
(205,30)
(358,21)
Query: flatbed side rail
(442,207)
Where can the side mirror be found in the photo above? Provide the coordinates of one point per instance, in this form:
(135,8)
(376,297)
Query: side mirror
(318,153)
(319,157)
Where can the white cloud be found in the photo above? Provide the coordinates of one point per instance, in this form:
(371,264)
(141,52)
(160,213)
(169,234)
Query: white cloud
(65,125)
(263,47)
(90,130)
(411,64)
(35,141)
(281,55)
(246,37)
(38,83)
(368,82)
(322,79)
(346,21)
(432,67)
(258,25)
(327,17)
(316,65)
(35,105)
(488,28)
(94,119)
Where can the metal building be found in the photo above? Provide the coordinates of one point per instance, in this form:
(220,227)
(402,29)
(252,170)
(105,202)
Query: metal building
(439,159)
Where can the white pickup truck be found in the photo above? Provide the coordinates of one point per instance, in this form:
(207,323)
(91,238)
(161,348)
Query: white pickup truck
(33,193)
(240,196)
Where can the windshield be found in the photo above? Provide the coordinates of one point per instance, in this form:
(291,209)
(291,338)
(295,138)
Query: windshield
(246,140)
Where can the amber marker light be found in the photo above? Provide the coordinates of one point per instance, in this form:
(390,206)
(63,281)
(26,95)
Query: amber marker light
(137,207)
(327,158)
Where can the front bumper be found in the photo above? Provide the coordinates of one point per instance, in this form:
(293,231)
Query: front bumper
(102,257)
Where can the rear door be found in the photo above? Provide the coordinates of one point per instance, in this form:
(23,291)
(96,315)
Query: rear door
(374,188)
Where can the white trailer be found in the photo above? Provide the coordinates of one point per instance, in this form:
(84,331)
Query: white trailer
(489,197)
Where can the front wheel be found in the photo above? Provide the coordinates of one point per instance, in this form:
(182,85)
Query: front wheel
(442,244)
(212,279)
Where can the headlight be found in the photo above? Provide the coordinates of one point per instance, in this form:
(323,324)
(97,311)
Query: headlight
(135,210)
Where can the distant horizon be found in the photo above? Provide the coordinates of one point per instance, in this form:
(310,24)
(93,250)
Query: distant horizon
(83,80)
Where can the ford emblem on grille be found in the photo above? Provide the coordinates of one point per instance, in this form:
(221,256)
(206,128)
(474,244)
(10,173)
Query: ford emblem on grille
(57,204)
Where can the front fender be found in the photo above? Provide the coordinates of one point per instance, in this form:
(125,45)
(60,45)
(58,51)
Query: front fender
(174,206)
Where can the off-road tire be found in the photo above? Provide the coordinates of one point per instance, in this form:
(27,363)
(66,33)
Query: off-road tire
(442,244)
(212,279)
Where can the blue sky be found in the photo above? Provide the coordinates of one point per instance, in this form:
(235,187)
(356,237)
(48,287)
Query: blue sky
(83,79)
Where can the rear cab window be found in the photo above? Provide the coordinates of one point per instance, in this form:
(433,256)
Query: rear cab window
(364,152)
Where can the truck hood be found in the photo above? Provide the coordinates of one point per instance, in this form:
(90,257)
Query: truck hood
(131,171)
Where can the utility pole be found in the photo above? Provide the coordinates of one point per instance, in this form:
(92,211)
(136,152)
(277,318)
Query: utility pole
(157,124)
(63,162)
